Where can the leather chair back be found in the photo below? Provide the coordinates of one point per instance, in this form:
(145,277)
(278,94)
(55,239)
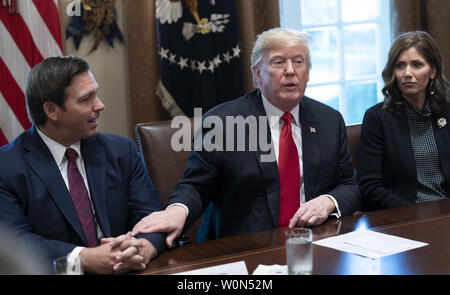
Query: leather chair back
(353,137)
(164,165)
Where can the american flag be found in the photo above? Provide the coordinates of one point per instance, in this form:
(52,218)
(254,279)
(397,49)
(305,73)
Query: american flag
(29,32)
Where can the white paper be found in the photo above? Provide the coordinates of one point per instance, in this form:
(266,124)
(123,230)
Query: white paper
(274,269)
(234,268)
(369,243)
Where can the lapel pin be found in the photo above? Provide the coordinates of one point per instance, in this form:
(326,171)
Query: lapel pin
(313,130)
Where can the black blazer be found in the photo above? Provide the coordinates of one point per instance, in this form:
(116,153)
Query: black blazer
(35,202)
(386,167)
(244,189)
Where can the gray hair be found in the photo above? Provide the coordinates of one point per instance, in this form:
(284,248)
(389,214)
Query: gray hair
(275,38)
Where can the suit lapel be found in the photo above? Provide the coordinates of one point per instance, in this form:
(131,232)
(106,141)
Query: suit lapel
(403,140)
(94,161)
(267,165)
(310,152)
(41,161)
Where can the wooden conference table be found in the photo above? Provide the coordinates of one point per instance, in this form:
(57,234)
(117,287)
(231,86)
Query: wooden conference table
(428,222)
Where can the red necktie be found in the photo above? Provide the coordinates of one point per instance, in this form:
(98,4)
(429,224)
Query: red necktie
(289,171)
(80,199)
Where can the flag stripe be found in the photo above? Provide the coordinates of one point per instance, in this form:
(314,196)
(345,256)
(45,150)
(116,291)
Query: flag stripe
(41,35)
(26,39)
(3,139)
(8,121)
(49,13)
(13,95)
(19,32)
(13,58)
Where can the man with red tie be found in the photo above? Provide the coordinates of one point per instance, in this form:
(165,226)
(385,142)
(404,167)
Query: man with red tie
(310,178)
(69,190)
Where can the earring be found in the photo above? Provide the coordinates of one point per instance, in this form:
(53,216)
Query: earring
(432,89)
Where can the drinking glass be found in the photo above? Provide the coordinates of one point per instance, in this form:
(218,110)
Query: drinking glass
(299,253)
(68,266)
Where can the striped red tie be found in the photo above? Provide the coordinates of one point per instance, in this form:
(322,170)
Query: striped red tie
(80,199)
(289,171)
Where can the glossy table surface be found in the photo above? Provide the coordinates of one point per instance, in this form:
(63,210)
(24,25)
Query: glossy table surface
(428,222)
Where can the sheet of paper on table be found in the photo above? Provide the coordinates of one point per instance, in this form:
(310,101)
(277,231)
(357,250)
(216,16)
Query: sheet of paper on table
(234,268)
(369,243)
(274,269)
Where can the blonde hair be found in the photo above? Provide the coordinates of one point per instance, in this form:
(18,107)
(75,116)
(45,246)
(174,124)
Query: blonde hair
(275,38)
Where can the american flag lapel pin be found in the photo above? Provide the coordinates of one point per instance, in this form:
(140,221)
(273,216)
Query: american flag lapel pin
(312,129)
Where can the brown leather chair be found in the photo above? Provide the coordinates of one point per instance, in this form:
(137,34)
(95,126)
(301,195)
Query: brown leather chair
(353,136)
(164,165)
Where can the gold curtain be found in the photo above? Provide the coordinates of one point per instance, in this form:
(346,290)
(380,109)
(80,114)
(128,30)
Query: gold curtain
(255,16)
(143,63)
(432,16)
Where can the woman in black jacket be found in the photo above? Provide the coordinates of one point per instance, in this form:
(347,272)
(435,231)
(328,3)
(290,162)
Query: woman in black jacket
(404,156)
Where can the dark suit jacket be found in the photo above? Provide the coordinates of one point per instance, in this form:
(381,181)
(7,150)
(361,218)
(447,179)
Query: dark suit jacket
(245,190)
(386,167)
(35,202)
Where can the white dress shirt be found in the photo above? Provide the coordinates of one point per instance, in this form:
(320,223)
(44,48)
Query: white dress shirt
(276,124)
(58,152)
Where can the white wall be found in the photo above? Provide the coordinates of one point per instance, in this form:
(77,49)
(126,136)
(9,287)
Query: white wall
(110,69)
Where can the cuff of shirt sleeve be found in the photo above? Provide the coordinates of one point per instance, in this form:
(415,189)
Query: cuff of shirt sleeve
(337,212)
(72,256)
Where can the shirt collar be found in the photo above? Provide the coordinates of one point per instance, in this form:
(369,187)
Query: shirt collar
(58,150)
(274,114)
(415,114)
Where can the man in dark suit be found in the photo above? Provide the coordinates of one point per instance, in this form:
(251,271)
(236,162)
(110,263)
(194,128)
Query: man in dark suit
(310,177)
(69,190)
